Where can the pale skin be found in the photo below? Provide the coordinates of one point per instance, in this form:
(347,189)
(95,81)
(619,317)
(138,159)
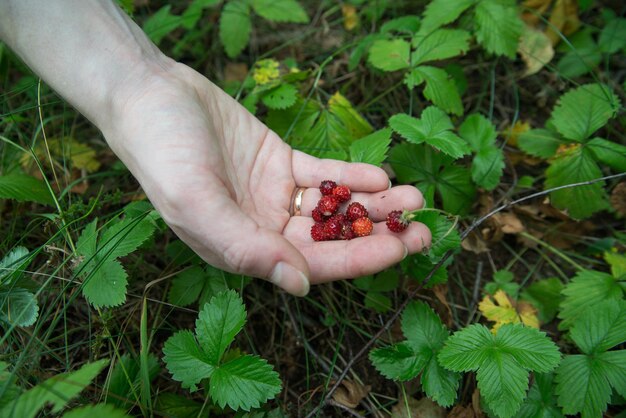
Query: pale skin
(217,175)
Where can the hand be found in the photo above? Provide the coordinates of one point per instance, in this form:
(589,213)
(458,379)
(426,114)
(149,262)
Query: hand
(223,181)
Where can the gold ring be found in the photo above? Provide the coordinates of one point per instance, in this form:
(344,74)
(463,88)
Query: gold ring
(296,201)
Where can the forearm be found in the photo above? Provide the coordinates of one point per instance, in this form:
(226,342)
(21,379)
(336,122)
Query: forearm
(86,50)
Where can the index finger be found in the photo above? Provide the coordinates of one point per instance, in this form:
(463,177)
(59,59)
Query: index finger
(309,171)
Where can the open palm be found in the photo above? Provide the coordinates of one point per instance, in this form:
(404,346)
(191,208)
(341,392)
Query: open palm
(224,182)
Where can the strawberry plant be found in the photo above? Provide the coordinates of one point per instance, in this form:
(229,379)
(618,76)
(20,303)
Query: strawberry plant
(507,116)
(237,380)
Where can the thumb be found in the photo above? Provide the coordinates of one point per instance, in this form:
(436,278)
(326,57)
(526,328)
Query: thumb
(262,252)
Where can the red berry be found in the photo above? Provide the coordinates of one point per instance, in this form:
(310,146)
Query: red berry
(342,193)
(396,222)
(347,233)
(327,186)
(328,205)
(317,215)
(362,227)
(355,210)
(333,227)
(317,232)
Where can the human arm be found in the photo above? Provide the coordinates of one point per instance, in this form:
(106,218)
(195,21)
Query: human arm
(219,177)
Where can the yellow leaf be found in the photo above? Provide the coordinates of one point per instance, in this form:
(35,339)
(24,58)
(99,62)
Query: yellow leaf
(64,150)
(563,20)
(350,17)
(501,309)
(536,50)
(266,71)
(563,17)
(512,133)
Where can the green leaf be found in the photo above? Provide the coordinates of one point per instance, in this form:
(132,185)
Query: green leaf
(609,153)
(502,383)
(613,36)
(546,296)
(440,384)
(425,336)
(541,401)
(442,12)
(280,10)
(498,27)
(194,11)
(105,285)
(87,243)
(186,286)
(617,262)
(431,171)
(614,369)
(390,55)
(586,290)
(488,162)
(99,410)
(445,235)
(581,386)
(574,166)
(423,328)
(540,143)
(172,405)
(18,307)
(579,62)
(600,327)
(125,380)
(24,188)
(503,280)
(317,131)
(235,27)
(529,346)
(403,24)
(354,122)
(124,237)
(162,22)
(371,149)
(186,361)
(244,382)
(434,128)
(440,87)
(12,265)
(465,349)
(398,362)
(9,391)
(377,301)
(218,322)
(439,45)
(280,97)
(56,391)
(582,111)
(502,361)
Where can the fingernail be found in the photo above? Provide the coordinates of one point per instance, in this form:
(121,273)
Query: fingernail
(406,252)
(389,187)
(290,279)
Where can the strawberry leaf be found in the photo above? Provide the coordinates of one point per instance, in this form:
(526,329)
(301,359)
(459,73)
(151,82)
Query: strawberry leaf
(502,361)
(433,127)
(244,382)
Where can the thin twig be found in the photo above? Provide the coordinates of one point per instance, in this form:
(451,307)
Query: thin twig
(436,267)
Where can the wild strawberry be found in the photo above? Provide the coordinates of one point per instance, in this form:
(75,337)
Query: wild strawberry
(362,227)
(396,222)
(346,232)
(333,227)
(342,193)
(328,205)
(355,210)
(317,215)
(327,186)
(317,232)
